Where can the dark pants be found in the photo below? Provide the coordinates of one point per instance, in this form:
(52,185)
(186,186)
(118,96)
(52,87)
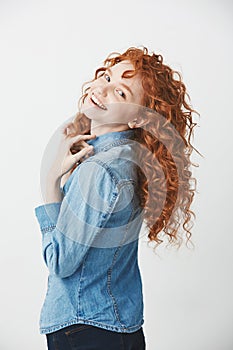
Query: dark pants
(86,337)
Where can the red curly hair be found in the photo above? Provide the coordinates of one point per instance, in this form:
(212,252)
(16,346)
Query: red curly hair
(168,141)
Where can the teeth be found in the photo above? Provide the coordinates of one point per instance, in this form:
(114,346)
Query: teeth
(95,100)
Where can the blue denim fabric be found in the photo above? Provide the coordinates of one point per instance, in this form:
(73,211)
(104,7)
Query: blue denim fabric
(90,242)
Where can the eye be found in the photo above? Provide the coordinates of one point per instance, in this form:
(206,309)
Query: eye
(121,93)
(107,77)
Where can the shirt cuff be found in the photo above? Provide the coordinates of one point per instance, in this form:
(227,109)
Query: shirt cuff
(47,216)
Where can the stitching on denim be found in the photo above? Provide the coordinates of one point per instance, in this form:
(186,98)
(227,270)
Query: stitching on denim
(108,211)
(113,144)
(123,183)
(80,287)
(94,323)
(127,226)
(48,228)
(114,198)
(109,275)
(106,167)
(109,272)
(120,186)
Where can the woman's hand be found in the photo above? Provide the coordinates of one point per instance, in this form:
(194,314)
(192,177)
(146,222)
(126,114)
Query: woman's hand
(65,160)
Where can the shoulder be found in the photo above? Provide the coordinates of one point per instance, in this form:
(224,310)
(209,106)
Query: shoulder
(90,174)
(120,162)
(115,166)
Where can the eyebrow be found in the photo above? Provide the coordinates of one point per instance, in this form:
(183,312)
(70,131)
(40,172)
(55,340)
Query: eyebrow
(124,85)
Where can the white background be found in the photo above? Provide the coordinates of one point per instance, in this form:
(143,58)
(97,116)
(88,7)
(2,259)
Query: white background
(48,49)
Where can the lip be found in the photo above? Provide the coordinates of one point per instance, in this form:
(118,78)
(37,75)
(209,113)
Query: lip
(95,104)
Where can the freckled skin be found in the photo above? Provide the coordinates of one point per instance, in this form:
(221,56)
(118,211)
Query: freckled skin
(122,105)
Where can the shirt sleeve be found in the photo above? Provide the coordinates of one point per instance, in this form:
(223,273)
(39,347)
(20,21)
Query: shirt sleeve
(69,228)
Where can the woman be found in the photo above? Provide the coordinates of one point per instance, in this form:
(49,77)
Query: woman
(125,158)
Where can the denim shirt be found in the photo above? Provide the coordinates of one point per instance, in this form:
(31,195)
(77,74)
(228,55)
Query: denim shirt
(90,242)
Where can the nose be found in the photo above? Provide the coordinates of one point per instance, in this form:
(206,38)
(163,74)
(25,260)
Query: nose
(101,90)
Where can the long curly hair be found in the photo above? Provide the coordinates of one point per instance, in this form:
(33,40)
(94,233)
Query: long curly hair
(167,187)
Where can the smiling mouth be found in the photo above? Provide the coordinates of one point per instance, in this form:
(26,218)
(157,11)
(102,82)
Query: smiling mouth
(97,102)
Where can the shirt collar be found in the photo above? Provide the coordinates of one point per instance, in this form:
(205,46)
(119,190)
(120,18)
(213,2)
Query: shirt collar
(106,141)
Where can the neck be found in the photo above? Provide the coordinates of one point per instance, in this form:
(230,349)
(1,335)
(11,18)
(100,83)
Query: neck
(97,129)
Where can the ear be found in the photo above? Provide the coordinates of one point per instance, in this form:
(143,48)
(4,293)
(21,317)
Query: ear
(137,123)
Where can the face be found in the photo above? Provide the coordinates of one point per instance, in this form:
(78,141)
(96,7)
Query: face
(113,99)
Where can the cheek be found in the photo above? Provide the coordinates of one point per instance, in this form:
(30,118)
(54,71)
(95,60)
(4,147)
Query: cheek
(122,112)
(91,86)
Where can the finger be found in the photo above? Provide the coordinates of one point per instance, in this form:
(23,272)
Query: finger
(84,137)
(83,143)
(79,138)
(82,153)
(68,128)
(77,146)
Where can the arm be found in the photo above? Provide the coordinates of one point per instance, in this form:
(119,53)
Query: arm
(69,227)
